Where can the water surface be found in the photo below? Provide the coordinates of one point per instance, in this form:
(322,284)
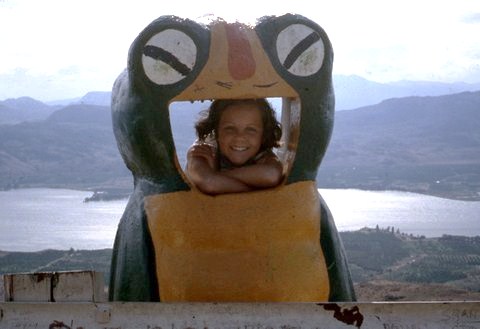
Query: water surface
(37,219)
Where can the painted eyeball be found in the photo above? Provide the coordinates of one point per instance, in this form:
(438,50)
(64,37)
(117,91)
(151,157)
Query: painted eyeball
(169,56)
(300,50)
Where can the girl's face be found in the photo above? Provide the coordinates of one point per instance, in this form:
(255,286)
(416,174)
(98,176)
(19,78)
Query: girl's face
(240,132)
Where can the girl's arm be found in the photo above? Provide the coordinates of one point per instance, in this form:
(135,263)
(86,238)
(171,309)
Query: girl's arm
(202,171)
(267,172)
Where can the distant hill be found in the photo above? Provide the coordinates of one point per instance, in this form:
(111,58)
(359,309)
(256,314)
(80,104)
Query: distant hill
(16,110)
(422,144)
(352,91)
(101,98)
(74,147)
(81,114)
(25,104)
(26,109)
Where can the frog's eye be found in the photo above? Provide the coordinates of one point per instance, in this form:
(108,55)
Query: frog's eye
(169,57)
(300,50)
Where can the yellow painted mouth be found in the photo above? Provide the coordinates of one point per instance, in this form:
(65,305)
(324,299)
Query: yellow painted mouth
(257,246)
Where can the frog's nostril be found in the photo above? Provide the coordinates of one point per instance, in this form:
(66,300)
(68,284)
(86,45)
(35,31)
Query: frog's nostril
(241,63)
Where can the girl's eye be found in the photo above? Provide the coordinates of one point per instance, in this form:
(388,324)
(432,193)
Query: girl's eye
(229,129)
(251,130)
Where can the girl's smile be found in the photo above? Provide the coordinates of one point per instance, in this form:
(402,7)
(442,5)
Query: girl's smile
(240,133)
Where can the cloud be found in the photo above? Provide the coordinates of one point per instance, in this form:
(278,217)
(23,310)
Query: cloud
(472,18)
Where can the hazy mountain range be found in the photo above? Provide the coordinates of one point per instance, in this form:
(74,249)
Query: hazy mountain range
(427,144)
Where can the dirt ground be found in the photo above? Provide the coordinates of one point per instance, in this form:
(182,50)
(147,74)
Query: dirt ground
(400,291)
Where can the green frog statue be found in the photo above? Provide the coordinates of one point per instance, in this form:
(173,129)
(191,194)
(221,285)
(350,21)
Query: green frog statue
(175,243)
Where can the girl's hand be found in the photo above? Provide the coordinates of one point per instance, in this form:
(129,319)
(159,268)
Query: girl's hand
(202,172)
(204,151)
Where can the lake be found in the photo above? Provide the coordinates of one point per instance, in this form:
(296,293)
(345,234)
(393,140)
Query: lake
(37,219)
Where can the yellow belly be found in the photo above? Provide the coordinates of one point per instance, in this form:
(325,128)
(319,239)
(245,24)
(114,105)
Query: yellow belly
(258,246)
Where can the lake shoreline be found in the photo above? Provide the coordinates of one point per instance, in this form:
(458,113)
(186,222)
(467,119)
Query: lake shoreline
(4,252)
(108,193)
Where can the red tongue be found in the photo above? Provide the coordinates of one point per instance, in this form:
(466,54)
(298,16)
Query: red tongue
(241,63)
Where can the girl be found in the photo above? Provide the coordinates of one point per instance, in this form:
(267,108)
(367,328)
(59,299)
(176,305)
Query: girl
(233,152)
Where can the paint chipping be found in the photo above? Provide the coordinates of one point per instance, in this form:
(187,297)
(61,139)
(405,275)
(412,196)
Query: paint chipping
(350,316)
(58,325)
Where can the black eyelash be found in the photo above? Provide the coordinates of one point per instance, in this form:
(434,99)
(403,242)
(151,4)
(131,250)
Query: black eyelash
(300,48)
(266,85)
(166,57)
(227,85)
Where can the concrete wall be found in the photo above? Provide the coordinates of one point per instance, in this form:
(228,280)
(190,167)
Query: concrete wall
(240,315)
(76,286)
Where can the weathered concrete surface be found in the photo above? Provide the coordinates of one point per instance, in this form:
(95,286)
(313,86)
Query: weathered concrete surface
(241,315)
(72,286)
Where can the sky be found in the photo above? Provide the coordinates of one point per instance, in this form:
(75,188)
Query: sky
(61,49)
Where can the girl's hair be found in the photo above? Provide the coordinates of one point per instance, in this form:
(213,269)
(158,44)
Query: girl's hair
(207,125)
